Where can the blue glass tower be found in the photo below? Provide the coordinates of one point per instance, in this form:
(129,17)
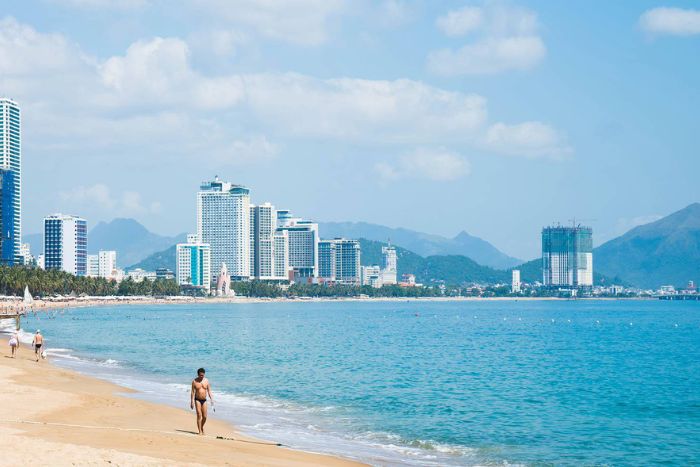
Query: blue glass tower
(7,217)
(10,170)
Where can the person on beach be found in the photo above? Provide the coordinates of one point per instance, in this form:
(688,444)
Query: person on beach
(14,343)
(198,399)
(37,343)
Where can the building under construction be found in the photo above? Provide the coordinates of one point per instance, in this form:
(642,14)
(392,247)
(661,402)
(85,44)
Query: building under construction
(567,257)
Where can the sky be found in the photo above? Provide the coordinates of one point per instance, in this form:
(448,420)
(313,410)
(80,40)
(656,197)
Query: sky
(492,117)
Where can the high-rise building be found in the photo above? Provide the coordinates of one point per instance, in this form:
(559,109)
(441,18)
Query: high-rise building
(347,261)
(302,239)
(389,265)
(284,217)
(515,282)
(326,260)
(567,256)
(93,266)
(223,222)
(267,263)
(11,184)
(25,254)
(339,261)
(281,255)
(107,263)
(65,244)
(194,264)
(372,275)
(263,224)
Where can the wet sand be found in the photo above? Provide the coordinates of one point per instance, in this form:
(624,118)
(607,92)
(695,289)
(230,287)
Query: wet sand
(53,416)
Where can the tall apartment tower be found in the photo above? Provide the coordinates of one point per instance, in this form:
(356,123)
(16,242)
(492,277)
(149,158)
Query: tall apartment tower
(567,257)
(65,244)
(339,261)
(347,261)
(11,183)
(264,243)
(303,240)
(223,222)
(326,260)
(515,286)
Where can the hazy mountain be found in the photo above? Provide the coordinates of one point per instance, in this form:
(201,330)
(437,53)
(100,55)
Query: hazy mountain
(131,240)
(423,244)
(666,251)
(453,269)
(160,259)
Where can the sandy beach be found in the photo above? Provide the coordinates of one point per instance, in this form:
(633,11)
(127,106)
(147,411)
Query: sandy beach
(11,305)
(54,416)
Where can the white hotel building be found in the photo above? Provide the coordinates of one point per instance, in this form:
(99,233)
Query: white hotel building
(302,240)
(269,258)
(223,222)
(65,244)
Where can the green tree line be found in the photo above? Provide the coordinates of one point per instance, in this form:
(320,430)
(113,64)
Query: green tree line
(43,283)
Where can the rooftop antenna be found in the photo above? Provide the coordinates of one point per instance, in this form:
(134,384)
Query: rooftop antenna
(573,221)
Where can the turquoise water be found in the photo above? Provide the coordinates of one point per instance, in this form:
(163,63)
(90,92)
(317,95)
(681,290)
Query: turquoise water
(424,383)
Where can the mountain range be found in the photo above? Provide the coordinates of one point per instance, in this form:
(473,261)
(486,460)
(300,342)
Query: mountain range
(666,251)
(128,237)
(423,244)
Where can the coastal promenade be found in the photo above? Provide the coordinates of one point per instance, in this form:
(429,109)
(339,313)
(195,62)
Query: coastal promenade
(57,417)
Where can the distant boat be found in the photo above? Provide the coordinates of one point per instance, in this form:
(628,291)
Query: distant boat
(28,300)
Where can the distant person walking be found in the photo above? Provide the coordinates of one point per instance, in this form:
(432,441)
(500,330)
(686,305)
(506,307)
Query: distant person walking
(37,343)
(14,343)
(198,399)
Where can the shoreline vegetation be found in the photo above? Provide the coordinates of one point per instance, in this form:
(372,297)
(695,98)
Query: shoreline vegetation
(49,287)
(60,414)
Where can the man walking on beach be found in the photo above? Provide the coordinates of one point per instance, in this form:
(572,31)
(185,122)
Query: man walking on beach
(198,399)
(37,343)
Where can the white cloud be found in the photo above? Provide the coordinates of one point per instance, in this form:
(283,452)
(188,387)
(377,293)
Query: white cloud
(217,43)
(437,164)
(506,39)
(462,21)
(302,22)
(673,21)
(393,13)
(24,51)
(530,139)
(253,150)
(99,197)
(102,4)
(488,56)
(152,99)
(356,109)
(158,71)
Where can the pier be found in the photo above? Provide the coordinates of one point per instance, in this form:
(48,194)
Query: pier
(17,315)
(695,297)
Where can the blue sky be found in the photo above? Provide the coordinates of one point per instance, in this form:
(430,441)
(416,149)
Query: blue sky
(492,117)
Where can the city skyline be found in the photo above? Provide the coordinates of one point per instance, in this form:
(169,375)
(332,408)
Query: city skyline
(132,93)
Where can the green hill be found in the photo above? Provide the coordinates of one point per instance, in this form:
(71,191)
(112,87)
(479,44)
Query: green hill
(452,269)
(663,252)
(159,259)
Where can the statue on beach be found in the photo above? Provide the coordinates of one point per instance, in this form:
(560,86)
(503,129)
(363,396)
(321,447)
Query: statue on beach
(223,283)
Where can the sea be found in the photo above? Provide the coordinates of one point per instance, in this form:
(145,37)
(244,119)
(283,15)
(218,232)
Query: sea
(492,383)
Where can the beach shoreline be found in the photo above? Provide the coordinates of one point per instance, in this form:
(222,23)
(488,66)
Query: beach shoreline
(58,416)
(12,305)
